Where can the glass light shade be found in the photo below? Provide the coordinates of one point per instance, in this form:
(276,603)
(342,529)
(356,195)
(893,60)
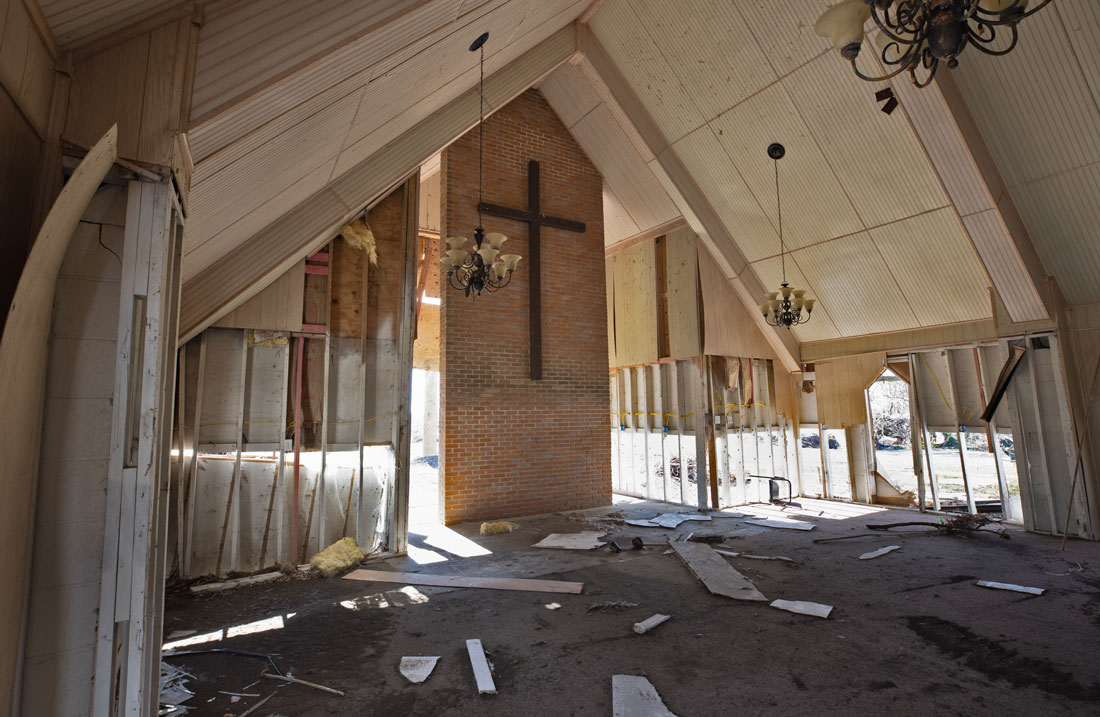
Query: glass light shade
(774,304)
(773,296)
(488,255)
(843,23)
(786,291)
(1000,5)
(798,303)
(499,270)
(808,304)
(798,293)
(510,261)
(765,309)
(457,257)
(455,242)
(495,239)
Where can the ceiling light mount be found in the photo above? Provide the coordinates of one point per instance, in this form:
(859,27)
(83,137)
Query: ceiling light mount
(915,36)
(784,307)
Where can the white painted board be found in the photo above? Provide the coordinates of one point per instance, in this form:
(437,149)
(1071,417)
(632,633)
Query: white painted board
(880,552)
(586,540)
(1010,586)
(634,696)
(482,673)
(814,609)
(781,523)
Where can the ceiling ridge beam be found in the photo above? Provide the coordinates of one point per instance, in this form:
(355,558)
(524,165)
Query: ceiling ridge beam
(264,257)
(696,209)
(953,143)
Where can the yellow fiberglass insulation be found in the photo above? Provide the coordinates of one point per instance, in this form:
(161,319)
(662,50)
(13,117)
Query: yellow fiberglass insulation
(337,558)
(496,528)
(360,236)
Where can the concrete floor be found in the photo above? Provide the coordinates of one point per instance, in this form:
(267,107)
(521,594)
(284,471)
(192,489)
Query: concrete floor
(911,633)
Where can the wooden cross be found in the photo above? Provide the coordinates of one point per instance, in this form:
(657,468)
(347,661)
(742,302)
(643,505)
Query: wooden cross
(536,220)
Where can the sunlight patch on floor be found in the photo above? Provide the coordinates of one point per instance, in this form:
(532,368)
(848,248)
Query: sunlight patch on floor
(402,597)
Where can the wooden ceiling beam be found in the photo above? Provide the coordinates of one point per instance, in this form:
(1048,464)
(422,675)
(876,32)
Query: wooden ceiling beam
(942,122)
(263,258)
(682,188)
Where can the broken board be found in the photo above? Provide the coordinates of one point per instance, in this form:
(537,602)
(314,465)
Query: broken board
(457,581)
(715,573)
(587,540)
(781,523)
(802,607)
(483,673)
(417,669)
(1011,587)
(634,696)
(880,552)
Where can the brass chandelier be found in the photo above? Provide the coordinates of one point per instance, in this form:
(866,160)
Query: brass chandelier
(784,307)
(916,35)
(482,268)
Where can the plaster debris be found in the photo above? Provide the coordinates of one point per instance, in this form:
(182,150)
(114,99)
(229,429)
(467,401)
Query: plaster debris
(731,554)
(813,609)
(1010,586)
(482,671)
(642,523)
(587,540)
(634,696)
(496,528)
(880,552)
(650,622)
(338,557)
(781,523)
(671,520)
(716,574)
(552,606)
(173,690)
(417,669)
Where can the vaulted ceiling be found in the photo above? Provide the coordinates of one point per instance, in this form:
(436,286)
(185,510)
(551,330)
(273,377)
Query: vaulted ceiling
(895,222)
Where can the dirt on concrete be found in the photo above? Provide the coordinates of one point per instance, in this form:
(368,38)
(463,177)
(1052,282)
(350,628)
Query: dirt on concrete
(910,633)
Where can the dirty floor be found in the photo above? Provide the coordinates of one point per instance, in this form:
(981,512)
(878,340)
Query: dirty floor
(911,633)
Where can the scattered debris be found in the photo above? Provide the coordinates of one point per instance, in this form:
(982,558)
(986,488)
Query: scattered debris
(1010,586)
(716,574)
(587,540)
(498,527)
(781,523)
(731,554)
(634,696)
(552,606)
(639,544)
(237,694)
(745,532)
(303,683)
(483,673)
(610,605)
(457,581)
(614,547)
(671,520)
(235,583)
(880,552)
(173,693)
(337,558)
(814,609)
(1077,569)
(417,669)
(642,523)
(650,622)
(708,538)
(961,525)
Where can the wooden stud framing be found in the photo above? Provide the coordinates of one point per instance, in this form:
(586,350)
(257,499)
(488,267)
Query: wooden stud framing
(181,433)
(235,483)
(192,484)
(991,437)
(1040,428)
(915,434)
(1069,440)
(960,438)
(926,438)
(704,427)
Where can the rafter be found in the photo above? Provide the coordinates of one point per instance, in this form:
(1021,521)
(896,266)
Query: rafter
(681,186)
(264,257)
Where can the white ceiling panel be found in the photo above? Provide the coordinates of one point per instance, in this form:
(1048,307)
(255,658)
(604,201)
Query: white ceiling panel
(617,224)
(855,286)
(719,181)
(877,157)
(569,93)
(786,29)
(815,207)
(710,50)
(629,45)
(936,267)
(75,22)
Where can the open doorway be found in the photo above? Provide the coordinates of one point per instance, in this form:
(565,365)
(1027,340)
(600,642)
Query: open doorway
(888,399)
(425,494)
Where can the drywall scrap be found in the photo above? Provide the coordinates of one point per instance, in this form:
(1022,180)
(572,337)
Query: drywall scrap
(587,540)
(716,574)
(802,607)
(634,696)
(417,669)
(483,671)
(457,581)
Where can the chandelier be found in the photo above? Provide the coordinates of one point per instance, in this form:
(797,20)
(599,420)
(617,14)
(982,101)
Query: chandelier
(916,35)
(482,268)
(784,307)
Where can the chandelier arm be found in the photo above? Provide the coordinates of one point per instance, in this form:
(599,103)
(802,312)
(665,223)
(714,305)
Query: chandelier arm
(980,44)
(451,275)
(998,18)
(927,80)
(869,78)
(888,27)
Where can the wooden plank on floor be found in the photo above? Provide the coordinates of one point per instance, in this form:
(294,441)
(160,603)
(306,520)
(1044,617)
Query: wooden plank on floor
(458,581)
(715,573)
(482,672)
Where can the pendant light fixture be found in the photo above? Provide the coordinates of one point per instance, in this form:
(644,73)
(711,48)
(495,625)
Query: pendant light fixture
(482,268)
(784,307)
(916,35)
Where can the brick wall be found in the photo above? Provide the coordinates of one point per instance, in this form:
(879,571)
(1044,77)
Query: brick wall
(513,446)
